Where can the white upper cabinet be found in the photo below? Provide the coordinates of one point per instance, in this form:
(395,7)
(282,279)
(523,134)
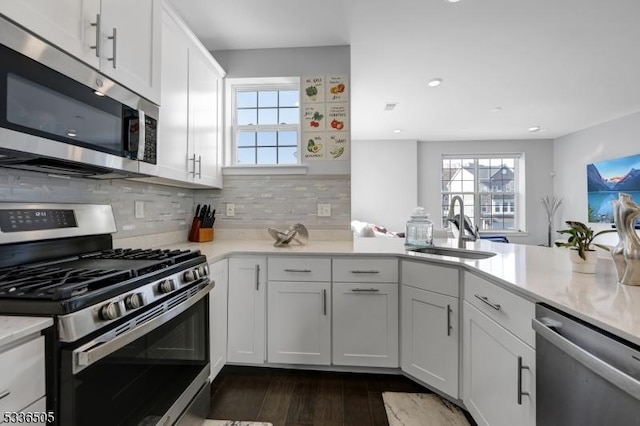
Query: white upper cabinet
(120,38)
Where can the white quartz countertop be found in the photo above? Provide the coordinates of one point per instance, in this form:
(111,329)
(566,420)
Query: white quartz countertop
(537,273)
(13,328)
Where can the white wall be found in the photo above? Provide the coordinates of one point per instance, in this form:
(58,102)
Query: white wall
(538,155)
(291,62)
(572,153)
(384,184)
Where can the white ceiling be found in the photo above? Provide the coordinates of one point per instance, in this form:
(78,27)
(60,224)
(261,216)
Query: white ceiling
(563,65)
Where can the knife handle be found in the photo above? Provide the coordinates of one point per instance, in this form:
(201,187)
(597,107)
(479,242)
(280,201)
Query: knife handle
(195,229)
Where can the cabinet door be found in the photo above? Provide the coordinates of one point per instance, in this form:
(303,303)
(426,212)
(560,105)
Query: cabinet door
(492,373)
(365,324)
(246,310)
(132,57)
(219,273)
(430,336)
(204,144)
(299,318)
(64,23)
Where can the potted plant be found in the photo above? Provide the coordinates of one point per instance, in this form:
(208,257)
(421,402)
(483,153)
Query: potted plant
(583,256)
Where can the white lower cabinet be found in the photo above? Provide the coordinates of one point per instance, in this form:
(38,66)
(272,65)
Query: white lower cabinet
(219,273)
(299,322)
(365,324)
(430,333)
(246,310)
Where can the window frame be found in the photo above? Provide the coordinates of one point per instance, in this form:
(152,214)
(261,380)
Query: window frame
(516,207)
(232,86)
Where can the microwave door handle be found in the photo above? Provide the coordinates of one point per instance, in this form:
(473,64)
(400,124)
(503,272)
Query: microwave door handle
(142,128)
(98,348)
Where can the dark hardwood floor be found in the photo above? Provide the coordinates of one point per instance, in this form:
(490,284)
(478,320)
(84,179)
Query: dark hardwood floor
(297,397)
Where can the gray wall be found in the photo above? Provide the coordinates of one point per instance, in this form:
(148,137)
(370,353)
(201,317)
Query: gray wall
(572,153)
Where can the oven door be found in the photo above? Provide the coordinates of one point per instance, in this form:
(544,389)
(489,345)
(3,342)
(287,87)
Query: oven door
(146,375)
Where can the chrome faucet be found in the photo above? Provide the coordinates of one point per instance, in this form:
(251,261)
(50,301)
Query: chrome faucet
(462,239)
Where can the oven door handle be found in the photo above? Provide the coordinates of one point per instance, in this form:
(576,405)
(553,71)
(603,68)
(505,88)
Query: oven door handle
(608,372)
(98,348)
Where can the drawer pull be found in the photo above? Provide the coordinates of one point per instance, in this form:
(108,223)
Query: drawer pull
(257,277)
(298,270)
(485,299)
(358,271)
(365,290)
(5,394)
(520,368)
(449,327)
(324,302)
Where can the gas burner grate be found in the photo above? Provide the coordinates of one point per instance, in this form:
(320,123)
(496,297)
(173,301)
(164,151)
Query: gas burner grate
(176,256)
(55,283)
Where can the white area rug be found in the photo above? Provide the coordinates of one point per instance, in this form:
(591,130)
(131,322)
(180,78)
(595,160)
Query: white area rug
(421,409)
(209,422)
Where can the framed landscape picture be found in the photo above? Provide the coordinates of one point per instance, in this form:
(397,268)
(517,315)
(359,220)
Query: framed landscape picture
(605,179)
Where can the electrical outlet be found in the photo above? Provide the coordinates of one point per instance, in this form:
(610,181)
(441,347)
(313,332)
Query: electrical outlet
(324,210)
(231,209)
(139,209)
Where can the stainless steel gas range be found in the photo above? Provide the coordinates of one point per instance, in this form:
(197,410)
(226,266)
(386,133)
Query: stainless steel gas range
(130,344)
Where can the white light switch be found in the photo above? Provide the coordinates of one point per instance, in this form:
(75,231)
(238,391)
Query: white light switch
(231,209)
(324,210)
(139,209)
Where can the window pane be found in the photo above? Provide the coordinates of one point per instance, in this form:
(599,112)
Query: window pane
(268,116)
(267,156)
(246,138)
(267,138)
(247,99)
(268,98)
(247,116)
(246,156)
(289,116)
(288,138)
(289,98)
(288,155)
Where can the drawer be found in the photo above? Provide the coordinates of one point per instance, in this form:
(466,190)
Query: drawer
(509,310)
(299,268)
(430,277)
(22,375)
(365,270)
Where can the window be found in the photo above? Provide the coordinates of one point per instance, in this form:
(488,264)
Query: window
(265,121)
(487,185)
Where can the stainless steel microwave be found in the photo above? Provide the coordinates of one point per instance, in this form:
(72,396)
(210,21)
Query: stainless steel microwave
(60,116)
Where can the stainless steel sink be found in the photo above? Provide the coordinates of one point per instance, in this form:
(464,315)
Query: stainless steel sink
(454,252)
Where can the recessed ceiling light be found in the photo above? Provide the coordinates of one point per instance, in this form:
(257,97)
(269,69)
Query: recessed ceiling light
(452,1)
(397,131)
(72,133)
(435,82)
(495,109)
(534,129)
(390,106)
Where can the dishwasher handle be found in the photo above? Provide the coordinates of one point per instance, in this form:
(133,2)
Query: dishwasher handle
(608,372)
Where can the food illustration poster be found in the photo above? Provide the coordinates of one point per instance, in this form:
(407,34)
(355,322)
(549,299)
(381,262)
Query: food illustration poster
(338,146)
(337,117)
(314,146)
(313,89)
(314,117)
(337,89)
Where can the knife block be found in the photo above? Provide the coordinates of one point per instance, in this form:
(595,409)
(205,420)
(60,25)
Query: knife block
(203,235)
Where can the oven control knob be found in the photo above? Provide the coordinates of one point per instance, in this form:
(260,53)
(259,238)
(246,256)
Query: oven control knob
(134,301)
(110,311)
(203,271)
(166,286)
(191,275)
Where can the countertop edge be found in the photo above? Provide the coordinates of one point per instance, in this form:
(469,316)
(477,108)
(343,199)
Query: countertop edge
(13,328)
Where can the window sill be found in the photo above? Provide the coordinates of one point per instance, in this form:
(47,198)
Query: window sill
(293,169)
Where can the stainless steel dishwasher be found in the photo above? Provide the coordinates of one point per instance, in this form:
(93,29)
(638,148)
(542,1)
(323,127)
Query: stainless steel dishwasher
(584,375)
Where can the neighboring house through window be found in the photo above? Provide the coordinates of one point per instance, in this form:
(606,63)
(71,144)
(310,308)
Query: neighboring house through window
(488,186)
(264,125)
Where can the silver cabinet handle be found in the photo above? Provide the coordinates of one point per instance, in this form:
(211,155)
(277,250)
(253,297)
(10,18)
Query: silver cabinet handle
(113,37)
(298,270)
(357,271)
(5,394)
(258,277)
(520,392)
(365,290)
(485,299)
(324,302)
(199,166)
(199,161)
(449,327)
(97,45)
